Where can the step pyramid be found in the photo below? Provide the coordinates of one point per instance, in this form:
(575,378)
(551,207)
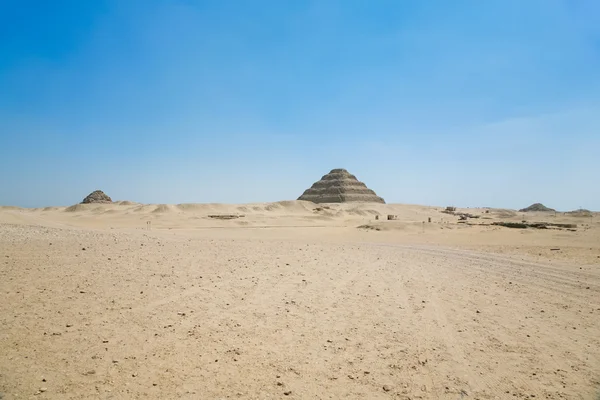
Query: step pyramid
(340,186)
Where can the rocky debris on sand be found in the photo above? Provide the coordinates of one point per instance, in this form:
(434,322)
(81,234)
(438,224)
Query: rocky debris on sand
(537,225)
(339,186)
(97,196)
(537,207)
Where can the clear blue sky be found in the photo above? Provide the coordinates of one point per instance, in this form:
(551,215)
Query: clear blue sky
(472,103)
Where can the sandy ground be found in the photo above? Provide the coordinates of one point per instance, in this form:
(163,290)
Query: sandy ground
(293,300)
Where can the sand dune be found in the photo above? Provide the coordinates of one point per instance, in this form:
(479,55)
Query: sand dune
(296,300)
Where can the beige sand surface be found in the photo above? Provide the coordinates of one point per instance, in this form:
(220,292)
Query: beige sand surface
(293,300)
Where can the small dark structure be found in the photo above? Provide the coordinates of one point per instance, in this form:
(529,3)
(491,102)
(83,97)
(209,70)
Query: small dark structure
(537,225)
(226,216)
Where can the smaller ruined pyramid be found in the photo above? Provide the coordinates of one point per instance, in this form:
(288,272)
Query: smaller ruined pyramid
(536,207)
(97,196)
(340,186)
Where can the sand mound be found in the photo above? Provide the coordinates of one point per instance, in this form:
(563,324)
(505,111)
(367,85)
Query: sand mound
(339,186)
(362,212)
(97,196)
(191,207)
(88,208)
(295,205)
(502,213)
(111,211)
(10,208)
(272,207)
(77,208)
(582,212)
(536,207)
(162,208)
(126,203)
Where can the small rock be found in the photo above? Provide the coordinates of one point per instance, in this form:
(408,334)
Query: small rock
(83,248)
(478,312)
(155,384)
(386,388)
(287,393)
(42,390)
(279,383)
(69,325)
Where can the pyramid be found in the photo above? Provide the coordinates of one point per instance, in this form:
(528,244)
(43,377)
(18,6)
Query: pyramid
(536,207)
(97,196)
(339,186)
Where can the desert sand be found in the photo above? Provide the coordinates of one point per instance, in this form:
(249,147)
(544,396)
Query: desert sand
(294,300)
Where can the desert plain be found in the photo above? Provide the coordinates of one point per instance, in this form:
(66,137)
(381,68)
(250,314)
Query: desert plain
(296,300)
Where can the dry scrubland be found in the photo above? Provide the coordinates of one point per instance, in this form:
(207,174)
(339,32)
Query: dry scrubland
(293,300)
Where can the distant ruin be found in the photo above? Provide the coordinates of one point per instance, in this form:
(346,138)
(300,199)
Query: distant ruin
(97,196)
(581,212)
(537,207)
(339,186)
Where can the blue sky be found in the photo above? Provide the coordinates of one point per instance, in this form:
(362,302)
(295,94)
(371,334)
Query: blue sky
(472,103)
